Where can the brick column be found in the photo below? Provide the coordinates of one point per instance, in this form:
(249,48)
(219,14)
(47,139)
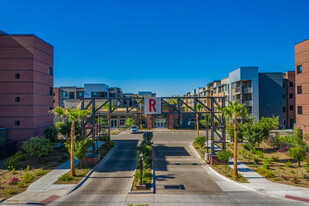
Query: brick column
(149,121)
(171,121)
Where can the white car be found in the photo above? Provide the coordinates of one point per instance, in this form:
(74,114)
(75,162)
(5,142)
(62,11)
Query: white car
(133,129)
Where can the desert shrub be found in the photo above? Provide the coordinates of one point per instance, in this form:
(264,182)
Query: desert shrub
(27,169)
(266,173)
(27,178)
(200,140)
(255,160)
(51,133)
(38,147)
(20,185)
(14,161)
(275,159)
(11,191)
(266,164)
(40,172)
(298,154)
(225,155)
(288,164)
(65,177)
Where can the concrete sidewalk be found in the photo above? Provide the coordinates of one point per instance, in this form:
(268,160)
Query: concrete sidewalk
(44,187)
(261,184)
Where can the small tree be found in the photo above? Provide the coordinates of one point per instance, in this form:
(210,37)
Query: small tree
(240,132)
(38,147)
(254,134)
(298,154)
(268,124)
(129,122)
(51,133)
(74,115)
(225,156)
(80,149)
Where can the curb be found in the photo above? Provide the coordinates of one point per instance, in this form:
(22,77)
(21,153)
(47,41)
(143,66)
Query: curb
(90,172)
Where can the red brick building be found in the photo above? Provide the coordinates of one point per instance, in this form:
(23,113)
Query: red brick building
(302,85)
(26,85)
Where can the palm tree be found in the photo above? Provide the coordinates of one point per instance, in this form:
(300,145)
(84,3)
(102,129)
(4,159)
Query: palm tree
(198,108)
(73,115)
(232,112)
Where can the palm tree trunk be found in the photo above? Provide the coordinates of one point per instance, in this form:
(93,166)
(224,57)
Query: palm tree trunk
(72,149)
(197,125)
(235,147)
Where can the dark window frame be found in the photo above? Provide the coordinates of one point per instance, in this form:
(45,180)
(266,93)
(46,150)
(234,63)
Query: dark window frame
(299,69)
(299,89)
(299,110)
(17,76)
(17,122)
(17,99)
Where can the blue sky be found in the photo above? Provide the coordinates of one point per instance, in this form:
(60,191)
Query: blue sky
(166,46)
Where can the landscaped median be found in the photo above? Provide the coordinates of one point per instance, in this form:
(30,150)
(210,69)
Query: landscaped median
(143,182)
(222,167)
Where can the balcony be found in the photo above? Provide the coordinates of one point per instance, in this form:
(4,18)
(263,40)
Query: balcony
(238,90)
(248,103)
(247,90)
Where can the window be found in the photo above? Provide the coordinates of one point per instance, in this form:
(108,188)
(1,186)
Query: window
(226,87)
(234,98)
(299,110)
(17,122)
(64,94)
(283,96)
(283,109)
(283,83)
(80,94)
(122,122)
(50,91)
(291,96)
(299,69)
(299,89)
(17,99)
(50,71)
(50,108)
(291,84)
(17,76)
(291,107)
(71,95)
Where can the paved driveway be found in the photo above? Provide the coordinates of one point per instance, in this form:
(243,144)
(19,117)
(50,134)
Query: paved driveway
(181,179)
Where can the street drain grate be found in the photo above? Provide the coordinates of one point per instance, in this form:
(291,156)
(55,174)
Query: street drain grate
(174,187)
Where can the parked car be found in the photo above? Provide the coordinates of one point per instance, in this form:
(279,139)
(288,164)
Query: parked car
(133,129)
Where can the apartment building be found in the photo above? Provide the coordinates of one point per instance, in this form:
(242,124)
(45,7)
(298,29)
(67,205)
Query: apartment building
(26,85)
(264,94)
(302,85)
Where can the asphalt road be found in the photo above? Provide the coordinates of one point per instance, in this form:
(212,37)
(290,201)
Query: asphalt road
(179,178)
